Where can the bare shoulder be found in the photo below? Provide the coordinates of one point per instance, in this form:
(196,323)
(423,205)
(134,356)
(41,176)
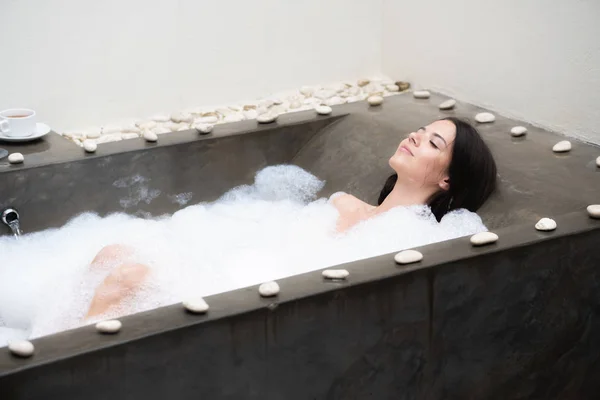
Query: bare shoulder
(351,209)
(347,203)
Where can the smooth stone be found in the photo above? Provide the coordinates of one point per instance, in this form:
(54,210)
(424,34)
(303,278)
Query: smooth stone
(594,210)
(183,127)
(403,85)
(266,118)
(233,118)
(161,118)
(196,306)
(111,129)
(132,129)
(160,130)
(518,131)
(126,136)
(89,146)
(295,104)
(354,99)
(562,146)
(93,133)
(421,94)
(182,117)
(485,117)
(150,136)
(109,326)
(363,82)
(250,114)
(204,128)
(323,110)
(392,88)
(146,125)
(375,100)
(307,91)
(545,224)
(21,348)
(268,289)
(325,94)
(16,158)
(598,162)
(483,238)
(334,101)
(447,105)
(211,119)
(408,257)
(336,274)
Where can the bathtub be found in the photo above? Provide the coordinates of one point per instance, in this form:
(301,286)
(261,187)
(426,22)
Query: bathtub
(517,319)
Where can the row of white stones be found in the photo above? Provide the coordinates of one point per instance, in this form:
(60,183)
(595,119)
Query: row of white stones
(24,348)
(264,110)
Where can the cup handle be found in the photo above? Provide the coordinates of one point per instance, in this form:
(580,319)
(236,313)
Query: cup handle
(4,126)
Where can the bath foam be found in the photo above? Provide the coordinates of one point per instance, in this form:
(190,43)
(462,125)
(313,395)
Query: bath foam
(254,234)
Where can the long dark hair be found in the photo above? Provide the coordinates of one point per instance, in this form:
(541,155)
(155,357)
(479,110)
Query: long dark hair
(472,174)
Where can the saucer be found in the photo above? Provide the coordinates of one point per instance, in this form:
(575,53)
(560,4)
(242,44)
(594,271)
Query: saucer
(41,130)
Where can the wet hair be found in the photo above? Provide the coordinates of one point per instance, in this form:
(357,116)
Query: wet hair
(472,174)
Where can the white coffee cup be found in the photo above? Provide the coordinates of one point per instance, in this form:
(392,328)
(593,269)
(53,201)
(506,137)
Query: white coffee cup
(17,122)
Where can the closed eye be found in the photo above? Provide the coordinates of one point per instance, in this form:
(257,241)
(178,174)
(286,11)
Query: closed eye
(433,144)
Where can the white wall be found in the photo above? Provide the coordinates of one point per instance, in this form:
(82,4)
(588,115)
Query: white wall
(87,62)
(537,60)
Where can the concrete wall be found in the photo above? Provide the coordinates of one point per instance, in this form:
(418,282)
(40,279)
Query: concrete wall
(537,60)
(85,62)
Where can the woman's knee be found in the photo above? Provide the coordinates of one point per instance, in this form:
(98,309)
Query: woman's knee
(113,252)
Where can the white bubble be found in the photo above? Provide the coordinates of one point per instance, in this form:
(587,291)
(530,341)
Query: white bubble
(254,234)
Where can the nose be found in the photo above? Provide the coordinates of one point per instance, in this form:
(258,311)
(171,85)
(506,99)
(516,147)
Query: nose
(415,138)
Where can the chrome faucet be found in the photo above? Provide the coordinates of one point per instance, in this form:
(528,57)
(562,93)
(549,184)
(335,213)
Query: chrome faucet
(10,217)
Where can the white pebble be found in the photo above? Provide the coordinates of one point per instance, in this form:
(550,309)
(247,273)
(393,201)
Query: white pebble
(363,82)
(146,125)
(408,257)
(132,129)
(334,101)
(421,94)
(126,136)
(323,110)
(250,114)
(210,119)
(295,104)
(336,273)
(109,326)
(518,131)
(545,224)
(485,117)
(160,130)
(392,88)
(150,136)
(307,91)
(594,210)
(107,130)
(93,133)
(161,118)
(183,127)
(266,118)
(325,94)
(89,146)
(182,117)
(197,306)
(204,128)
(562,147)
(447,105)
(375,100)
(236,117)
(21,348)
(483,238)
(598,162)
(268,289)
(16,158)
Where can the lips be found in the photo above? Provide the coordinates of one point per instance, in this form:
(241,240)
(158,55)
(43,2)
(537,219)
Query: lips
(406,149)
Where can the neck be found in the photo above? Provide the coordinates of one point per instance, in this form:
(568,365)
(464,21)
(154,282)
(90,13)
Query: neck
(404,195)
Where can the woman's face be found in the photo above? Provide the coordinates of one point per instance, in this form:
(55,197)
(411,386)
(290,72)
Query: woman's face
(424,156)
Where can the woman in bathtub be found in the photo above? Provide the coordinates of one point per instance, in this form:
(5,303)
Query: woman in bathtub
(445,165)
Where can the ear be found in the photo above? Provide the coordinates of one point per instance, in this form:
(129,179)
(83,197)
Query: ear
(445,183)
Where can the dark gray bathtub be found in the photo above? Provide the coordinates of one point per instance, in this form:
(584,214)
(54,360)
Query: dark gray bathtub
(519,319)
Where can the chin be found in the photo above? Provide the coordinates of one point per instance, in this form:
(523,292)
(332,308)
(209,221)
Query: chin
(396,163)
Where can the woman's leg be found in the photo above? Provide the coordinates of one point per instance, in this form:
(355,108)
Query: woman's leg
(121,283)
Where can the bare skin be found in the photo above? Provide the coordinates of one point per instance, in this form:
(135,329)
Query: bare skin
(121,283)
